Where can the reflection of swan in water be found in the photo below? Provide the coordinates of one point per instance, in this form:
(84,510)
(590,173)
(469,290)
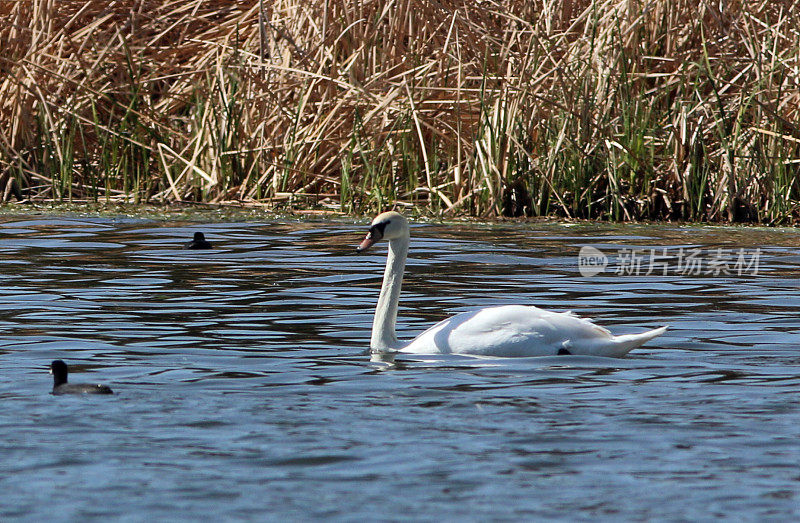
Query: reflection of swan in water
(507,330)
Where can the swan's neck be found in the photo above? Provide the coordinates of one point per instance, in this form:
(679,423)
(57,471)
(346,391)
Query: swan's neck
(383,326)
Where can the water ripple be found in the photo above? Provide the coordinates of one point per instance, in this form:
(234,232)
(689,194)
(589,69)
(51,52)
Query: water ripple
(244,388)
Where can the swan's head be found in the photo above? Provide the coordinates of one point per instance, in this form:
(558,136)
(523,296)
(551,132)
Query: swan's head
(387,226)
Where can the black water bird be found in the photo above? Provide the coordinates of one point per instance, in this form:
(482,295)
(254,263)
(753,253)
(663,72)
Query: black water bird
(199,242)
(59,371)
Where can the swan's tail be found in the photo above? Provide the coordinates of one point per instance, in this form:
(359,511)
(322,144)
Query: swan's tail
(626,342)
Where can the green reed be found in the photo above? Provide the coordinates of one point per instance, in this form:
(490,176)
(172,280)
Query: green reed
(617,113)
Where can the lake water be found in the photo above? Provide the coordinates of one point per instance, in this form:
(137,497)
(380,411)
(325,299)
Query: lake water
(244,389)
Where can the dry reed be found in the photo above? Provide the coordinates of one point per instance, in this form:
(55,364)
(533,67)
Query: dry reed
(618,109)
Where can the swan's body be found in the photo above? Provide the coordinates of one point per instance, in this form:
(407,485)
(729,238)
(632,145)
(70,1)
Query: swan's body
(520,330)
(507,330)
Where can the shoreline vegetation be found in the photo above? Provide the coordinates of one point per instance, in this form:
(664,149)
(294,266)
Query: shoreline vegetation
(613,110)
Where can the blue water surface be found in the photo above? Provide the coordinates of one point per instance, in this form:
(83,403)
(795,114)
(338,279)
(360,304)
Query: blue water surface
(244,389)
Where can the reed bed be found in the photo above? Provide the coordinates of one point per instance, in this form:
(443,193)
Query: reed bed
(615,109)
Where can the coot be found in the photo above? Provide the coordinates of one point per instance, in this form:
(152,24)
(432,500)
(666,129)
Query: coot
(199,242)
(60,386)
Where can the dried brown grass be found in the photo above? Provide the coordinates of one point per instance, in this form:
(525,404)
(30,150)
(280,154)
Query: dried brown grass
(619,108)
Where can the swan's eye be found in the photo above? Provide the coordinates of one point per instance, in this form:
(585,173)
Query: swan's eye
(377,229)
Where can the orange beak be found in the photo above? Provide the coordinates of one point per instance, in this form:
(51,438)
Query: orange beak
(368,242)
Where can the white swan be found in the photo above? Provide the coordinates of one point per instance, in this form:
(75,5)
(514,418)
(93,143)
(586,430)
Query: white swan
(507,330)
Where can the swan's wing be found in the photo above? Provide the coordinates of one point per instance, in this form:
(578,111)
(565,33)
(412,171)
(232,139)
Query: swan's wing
(511,330)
